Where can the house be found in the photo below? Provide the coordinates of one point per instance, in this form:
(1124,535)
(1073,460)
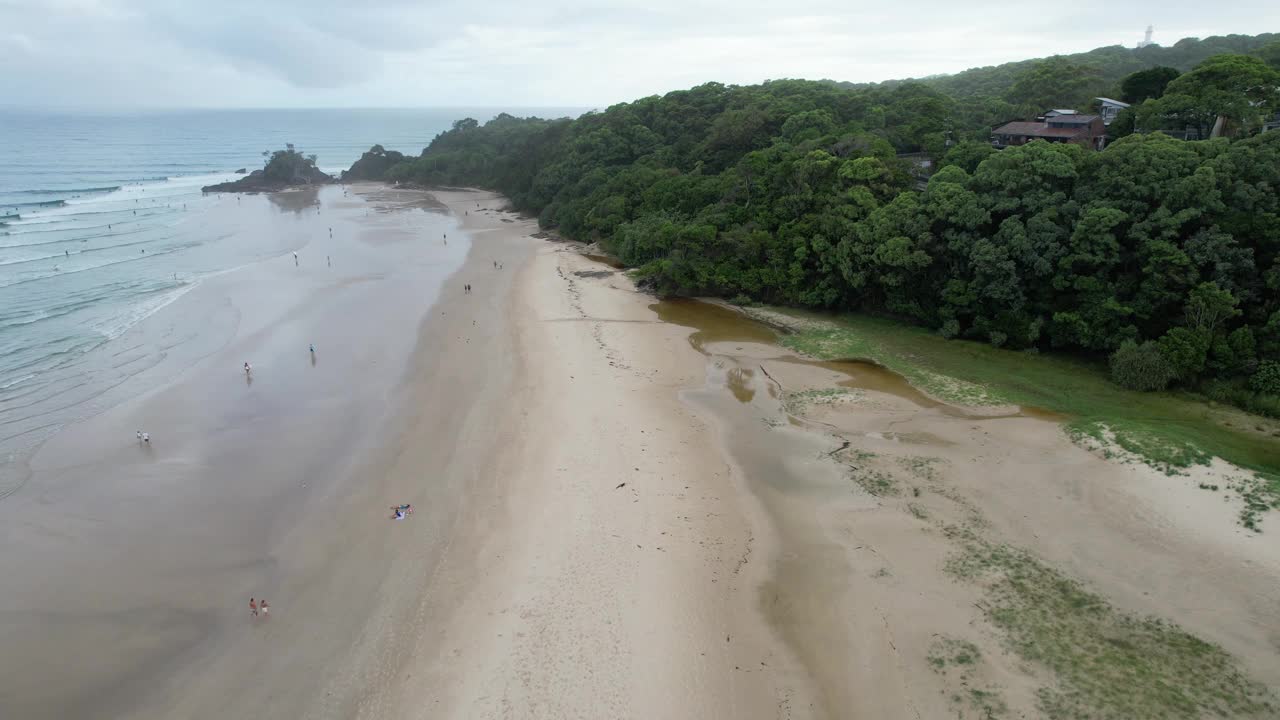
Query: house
(1086,130)
(1109,109)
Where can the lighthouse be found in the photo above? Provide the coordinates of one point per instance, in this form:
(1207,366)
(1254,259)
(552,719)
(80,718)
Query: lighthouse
(1147,40)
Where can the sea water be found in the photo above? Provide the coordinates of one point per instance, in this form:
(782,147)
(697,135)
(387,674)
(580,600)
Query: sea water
(103,222)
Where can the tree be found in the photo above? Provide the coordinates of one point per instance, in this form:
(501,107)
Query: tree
(289,166)
(1208,307)
(1241,89)
(1267,378)
(968,155)
(1185,350)
(1270,54)
(1147,84)
(1055,82)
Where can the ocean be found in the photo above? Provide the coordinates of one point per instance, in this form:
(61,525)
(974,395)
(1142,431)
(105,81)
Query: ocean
(102,223)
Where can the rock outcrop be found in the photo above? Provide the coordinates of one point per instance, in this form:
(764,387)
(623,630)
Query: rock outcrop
(257,181)
(285,169)
(373,165)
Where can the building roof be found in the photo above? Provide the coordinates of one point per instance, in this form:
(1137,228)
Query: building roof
(1061,111)
(1037,129)
(1109,101)
(1074,119)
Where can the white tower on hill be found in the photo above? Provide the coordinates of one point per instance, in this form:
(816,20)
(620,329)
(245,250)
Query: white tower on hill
(1147,40)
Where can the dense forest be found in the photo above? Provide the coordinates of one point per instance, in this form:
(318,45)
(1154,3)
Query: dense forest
(1159,254)
(1101,69)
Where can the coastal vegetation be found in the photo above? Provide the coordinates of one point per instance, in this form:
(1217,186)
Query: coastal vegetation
(1086,655)
(1074,80)
(1106,663)
(372,165)
(1171,431)
(1160,254)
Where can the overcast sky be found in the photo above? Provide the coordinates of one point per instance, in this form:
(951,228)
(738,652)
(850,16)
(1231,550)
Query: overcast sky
(400,53)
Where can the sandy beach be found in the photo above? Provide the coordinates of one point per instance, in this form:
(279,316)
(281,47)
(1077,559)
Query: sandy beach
(623,507)
(579,546)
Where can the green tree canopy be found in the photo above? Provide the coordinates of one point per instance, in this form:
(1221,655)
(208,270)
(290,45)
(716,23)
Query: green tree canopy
(1147,84)
(1160,254)
(1239,88)
(1055,83)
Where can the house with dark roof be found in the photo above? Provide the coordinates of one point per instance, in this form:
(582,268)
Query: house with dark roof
(1086,130)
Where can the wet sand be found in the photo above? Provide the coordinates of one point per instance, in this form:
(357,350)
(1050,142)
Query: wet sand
(863,478)
(128,567)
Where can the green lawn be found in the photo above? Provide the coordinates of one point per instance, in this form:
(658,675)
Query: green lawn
(1168,430)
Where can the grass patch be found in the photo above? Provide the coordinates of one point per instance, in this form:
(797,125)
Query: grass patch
(838,344)
(1107,664)
(921,467)
(1259,493)
(1172,455)
(797,402)
(1169,430)
(875,482)
(959,658)
(950,651)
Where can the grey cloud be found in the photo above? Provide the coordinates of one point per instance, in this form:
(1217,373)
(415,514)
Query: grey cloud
(457,52)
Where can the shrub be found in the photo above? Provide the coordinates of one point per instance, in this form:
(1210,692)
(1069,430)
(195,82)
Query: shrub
(1267,379)
(1140,367)
(1264,404)
(1184,350)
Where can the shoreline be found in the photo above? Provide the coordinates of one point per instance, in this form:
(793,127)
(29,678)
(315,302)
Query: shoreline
(151,547)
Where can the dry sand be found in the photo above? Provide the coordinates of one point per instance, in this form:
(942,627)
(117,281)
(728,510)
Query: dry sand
(604,562)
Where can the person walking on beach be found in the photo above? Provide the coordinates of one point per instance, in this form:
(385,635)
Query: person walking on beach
(266,609)
(146,438)
(139,436)
(328,261)
(253,607)
(295,258)
(247,368)
(313,348)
